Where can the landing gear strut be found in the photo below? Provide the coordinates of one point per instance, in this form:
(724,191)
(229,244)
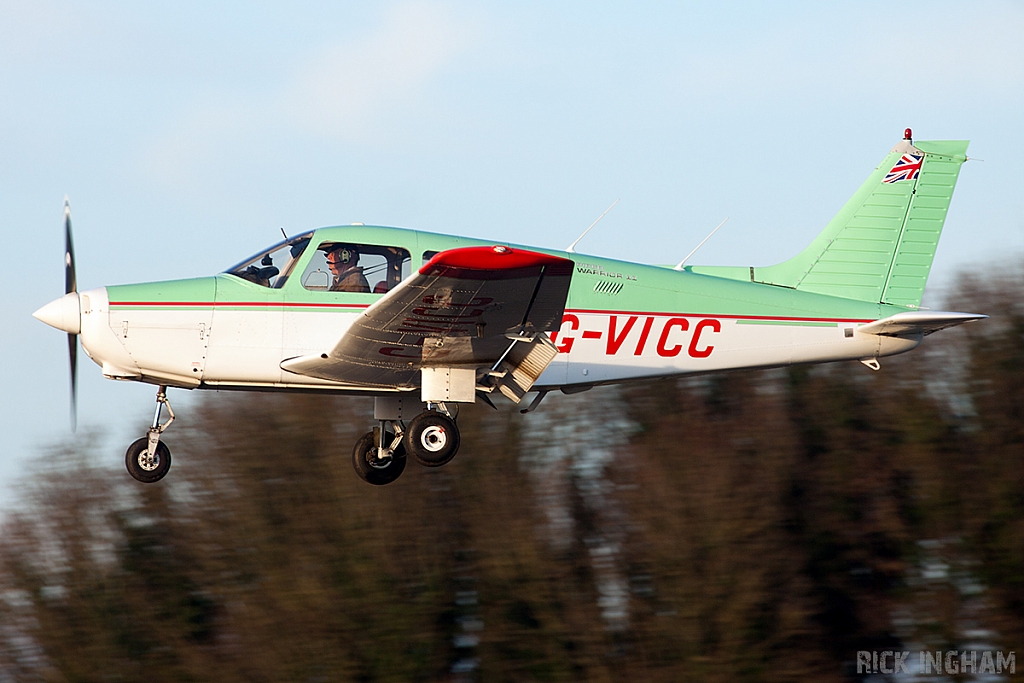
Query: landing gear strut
(148,459)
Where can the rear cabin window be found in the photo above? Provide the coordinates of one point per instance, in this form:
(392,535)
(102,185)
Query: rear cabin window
(360,268)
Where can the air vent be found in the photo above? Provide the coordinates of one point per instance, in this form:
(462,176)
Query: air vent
(609,288)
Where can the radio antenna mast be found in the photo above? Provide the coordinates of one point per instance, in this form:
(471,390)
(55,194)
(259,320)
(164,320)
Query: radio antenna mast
(572,247)
(680,266)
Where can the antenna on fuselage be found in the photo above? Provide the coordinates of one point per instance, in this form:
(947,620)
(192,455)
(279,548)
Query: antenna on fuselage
(680,265)
(572,247)
(284,233)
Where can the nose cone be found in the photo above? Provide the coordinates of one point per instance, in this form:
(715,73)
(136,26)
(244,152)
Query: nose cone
(63,313)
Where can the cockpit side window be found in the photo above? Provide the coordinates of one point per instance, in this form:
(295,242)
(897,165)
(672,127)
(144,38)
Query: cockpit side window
(347,267)
(271,267)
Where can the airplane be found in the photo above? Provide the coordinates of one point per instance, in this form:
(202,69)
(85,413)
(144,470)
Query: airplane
(423,322)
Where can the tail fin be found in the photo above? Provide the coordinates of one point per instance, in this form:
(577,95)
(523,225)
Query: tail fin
(880,246)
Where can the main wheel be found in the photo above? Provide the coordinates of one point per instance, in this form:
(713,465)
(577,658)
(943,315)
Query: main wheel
(373,473)
(139,465)
(432,438)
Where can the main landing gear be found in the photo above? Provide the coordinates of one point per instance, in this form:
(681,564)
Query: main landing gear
(379,455)
(431,438)
(148,459)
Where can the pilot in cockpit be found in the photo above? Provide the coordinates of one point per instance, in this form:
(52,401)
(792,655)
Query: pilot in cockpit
(348,277)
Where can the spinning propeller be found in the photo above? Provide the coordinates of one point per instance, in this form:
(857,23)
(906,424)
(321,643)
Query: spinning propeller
(65,313)
(71,285)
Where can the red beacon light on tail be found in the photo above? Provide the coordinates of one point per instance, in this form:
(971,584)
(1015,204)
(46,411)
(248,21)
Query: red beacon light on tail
(908,134)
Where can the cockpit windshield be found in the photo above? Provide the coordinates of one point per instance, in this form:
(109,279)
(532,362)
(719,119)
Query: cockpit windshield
(271,267)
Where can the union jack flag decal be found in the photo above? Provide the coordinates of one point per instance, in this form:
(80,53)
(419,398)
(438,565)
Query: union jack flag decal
(907,168)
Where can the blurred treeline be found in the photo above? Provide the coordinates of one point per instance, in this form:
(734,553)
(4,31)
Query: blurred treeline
(745,526)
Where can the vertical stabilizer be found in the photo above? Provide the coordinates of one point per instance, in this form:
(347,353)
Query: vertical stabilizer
(880,246)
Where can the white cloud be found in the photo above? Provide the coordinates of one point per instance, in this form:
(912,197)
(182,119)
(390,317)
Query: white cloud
(34,31)
(360,91)
(346,90)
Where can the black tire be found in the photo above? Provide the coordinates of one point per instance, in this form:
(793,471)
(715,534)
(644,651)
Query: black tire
(432,438)
(378,476)
(135,461)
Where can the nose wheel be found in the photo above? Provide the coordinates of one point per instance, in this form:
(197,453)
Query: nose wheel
(148,459)
(145,467)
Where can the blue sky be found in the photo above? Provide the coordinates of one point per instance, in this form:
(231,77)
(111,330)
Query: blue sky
(188,135)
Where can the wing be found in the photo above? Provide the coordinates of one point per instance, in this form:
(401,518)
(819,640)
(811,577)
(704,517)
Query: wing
(917,323)
(463,308)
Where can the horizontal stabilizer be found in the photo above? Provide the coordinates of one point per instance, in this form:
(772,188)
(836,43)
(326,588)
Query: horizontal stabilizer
(917,323)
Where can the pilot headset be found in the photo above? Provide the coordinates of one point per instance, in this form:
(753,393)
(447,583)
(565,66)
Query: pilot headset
(346,255)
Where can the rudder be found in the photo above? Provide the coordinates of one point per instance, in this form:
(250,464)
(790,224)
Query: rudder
(925,217)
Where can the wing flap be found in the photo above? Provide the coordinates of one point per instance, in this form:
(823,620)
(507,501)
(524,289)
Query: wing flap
(523,365)
(461,308)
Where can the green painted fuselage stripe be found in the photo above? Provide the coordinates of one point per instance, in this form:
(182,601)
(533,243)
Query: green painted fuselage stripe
(795,323)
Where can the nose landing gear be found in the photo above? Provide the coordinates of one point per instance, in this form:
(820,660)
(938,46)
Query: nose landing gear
(148,459)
